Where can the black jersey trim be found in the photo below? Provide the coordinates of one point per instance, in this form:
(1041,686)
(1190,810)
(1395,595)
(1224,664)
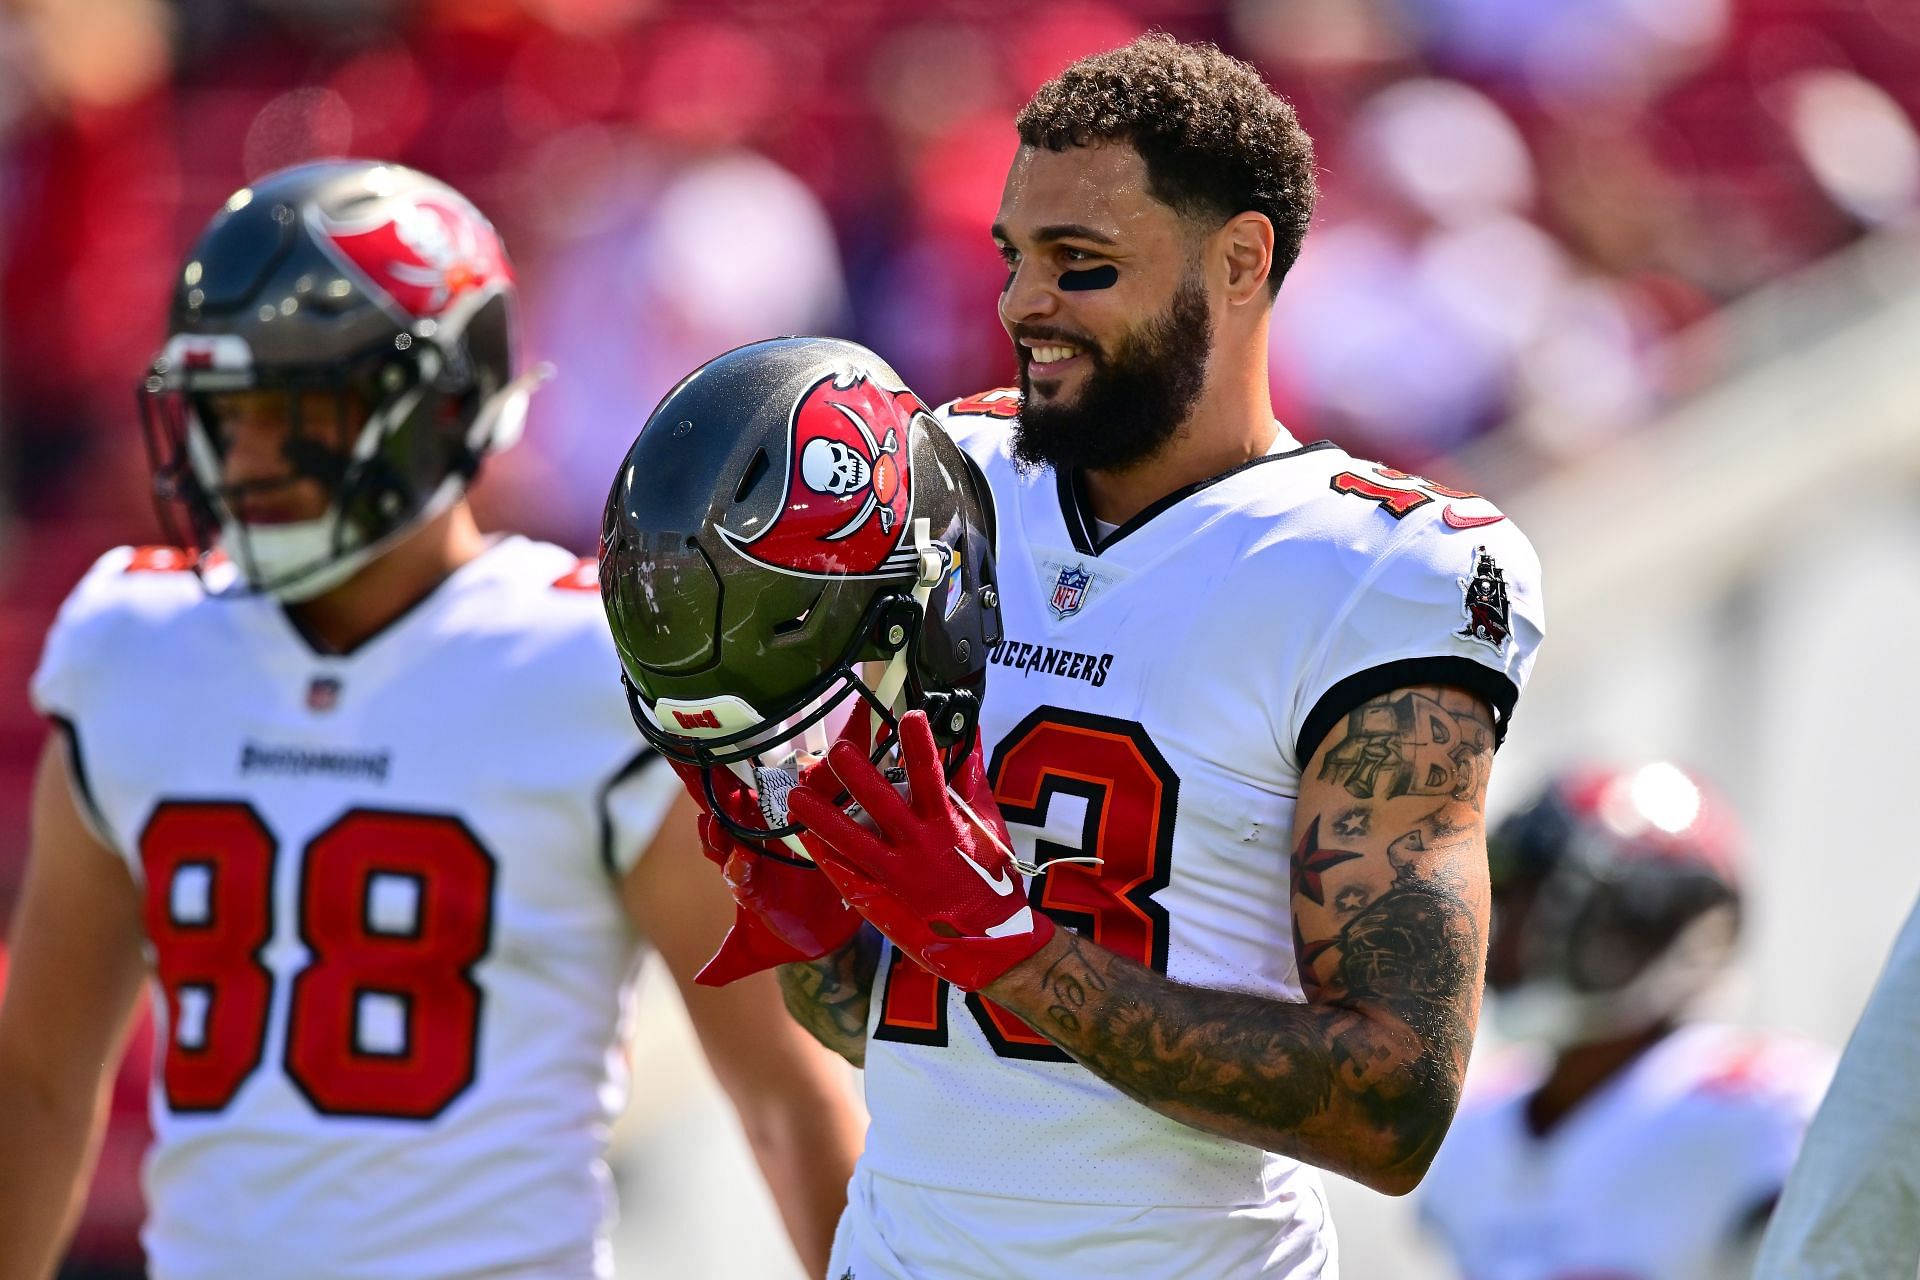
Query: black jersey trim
(83,789)
(1074,505)
(1499,691)
(604,803)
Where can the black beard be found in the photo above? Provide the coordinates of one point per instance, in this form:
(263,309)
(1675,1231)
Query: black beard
(1133,402)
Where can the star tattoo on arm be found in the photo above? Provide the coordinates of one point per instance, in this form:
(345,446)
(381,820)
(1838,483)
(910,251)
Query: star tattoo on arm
(1310,861)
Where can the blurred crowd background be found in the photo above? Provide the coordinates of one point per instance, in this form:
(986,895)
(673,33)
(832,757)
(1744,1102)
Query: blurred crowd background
(1526,201)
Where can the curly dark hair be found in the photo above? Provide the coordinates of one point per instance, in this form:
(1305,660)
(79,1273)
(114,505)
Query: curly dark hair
(1216,140)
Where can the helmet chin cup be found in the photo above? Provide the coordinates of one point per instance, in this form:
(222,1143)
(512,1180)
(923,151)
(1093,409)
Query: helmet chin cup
(292,562)
(1555,1016)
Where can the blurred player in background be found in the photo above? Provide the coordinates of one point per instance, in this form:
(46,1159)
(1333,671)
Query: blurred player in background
(1643,1144)
(1240,724)
(348,781)
(1852,1203)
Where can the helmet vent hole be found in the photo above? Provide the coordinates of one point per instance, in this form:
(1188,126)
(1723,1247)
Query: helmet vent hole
(796,622)
(751,477)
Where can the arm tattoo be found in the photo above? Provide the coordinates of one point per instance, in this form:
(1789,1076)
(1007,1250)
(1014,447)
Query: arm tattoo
(1210,1051)
(1404,936)
(1389,919)
(1412,742)
(1369,1073)
(830,996)
(1410,953)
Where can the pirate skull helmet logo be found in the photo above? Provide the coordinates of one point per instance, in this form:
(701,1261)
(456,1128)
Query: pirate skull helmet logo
(849,490)
(829,466)
(420,251)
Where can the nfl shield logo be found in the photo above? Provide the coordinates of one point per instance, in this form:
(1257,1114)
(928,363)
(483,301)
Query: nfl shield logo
(1069,591)
(323,693)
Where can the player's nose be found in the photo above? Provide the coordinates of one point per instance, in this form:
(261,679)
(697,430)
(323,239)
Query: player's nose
(255,440)
(1031,294)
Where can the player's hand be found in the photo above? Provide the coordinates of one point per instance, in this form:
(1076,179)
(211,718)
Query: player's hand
(941,884)
(784,910)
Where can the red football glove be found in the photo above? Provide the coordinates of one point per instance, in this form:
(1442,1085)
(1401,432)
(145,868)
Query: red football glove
(784,910)
(930,878)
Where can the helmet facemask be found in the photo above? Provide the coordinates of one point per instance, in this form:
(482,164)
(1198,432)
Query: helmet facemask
(859,699)
(332,441)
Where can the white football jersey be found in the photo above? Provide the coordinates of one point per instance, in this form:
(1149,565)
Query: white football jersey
(1657,1176)
(381,905)
(1152,703)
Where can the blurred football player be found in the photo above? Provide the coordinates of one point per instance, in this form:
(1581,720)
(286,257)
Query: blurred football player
(1245,695)
(345,781)
(1644,1144)
(1852,1203)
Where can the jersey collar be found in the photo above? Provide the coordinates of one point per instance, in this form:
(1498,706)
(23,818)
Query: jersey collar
(1077,512)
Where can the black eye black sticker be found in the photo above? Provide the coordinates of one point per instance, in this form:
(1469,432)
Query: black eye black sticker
(1102,277)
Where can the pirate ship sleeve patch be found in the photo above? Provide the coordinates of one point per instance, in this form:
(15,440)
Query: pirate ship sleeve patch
(1431,605)
(1488,609)
(849,484)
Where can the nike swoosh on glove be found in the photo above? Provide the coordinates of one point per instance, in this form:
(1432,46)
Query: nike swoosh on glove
(942,886)
(784,910)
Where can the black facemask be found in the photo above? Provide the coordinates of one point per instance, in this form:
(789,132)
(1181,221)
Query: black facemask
(1134,401)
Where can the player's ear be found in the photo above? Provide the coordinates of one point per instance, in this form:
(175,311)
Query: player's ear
(1243,248)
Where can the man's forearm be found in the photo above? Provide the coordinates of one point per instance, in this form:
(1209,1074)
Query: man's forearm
(1354,1090)
(805,1136)
(830,996)
(44,1162)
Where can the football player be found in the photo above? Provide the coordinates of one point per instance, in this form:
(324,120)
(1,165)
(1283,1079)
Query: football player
(343,780)
(1245,694)
(1645,1143)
